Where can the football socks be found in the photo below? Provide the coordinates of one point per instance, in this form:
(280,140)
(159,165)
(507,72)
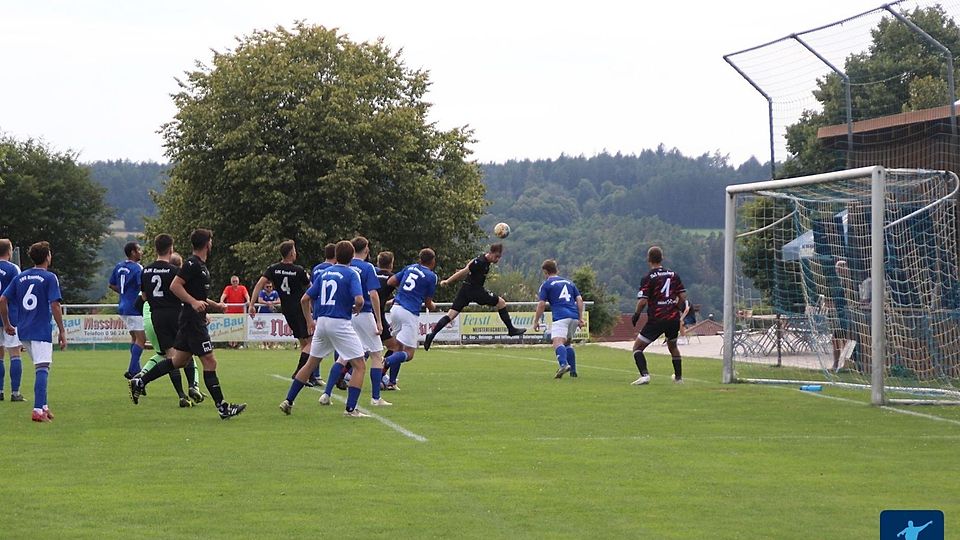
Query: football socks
(571,359)
(505,317)
(300,363)
(641,362)
(375,375)
(335,370)
(162,368)
(561,355)
(192,373)
(295,387)
(135,352)
(353,395)
(40,388)
(440,324)
(677,369)
(177,381)
(213,386)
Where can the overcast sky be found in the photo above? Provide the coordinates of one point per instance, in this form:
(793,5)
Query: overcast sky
(533,79)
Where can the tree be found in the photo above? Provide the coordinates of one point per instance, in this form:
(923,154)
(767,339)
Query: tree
(603,313)
(304,134)
(46,195)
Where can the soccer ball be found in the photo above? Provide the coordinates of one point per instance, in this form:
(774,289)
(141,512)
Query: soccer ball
(501,230)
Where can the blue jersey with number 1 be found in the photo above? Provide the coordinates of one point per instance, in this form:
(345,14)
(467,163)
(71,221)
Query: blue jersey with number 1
(416,283)
(333,292)
(126,278)
(562,295)
(28,300)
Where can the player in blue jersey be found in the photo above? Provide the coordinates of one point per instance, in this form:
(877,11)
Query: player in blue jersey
(333,298)
(329,259)
(368,323)
(125,281)
(566,307)
(26,306)
(11,344)
(415,286)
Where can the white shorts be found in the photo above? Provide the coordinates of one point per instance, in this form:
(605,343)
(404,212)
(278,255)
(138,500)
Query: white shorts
(335,335)
(564,328)
(404,326)
(366,326)
(41,352)
(10,341)
(133,322)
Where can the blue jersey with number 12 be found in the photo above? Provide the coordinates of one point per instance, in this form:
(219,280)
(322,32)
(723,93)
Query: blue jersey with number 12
(416,283)
(562,295)
(333,292)
(28,299)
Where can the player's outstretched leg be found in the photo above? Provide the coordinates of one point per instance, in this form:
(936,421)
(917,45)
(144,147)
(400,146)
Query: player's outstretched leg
(193,381)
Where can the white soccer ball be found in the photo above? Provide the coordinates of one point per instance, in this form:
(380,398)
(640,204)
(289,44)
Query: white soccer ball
(501,230)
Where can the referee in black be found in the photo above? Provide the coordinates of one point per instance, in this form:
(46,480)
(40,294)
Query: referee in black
(473,291)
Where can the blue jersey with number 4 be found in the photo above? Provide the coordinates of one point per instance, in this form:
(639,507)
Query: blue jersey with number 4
(562,295)
(416,283)
(333,292)
(28,300)
(126,278)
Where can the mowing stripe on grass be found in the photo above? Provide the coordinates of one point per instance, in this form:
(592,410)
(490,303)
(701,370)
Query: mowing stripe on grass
(884,407)
(747,438)
(389,423)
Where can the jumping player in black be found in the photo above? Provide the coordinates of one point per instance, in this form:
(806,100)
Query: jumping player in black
(663,294)
(290,281)
(472,290)
(191,286)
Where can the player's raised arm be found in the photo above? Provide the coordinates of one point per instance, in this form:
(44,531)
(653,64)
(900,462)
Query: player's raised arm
(393,281)
(256,295)
(180,292)
(428,303)
(457,276)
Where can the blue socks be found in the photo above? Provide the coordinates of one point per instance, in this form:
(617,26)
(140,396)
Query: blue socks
(135,352)
(572,359)
(16,374)
(295,387)
(353,395)
(561,355)
(335,370)
(375,375)
(396,359)
(40,388)
(3,375)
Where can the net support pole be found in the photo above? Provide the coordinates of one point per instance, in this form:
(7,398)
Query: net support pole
(877,334)
(846,92)
(729,319)
(773,161)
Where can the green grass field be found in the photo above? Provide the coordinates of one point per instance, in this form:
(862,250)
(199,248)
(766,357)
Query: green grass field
(504,451)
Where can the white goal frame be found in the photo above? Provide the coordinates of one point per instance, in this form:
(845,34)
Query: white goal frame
(878,176)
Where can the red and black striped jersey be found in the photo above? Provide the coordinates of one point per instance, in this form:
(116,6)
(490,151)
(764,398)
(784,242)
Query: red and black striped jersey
(660,287)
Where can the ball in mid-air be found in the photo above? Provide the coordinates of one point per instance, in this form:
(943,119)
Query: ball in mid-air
(501,230)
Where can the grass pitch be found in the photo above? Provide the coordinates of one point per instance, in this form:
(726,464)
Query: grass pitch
(481,443)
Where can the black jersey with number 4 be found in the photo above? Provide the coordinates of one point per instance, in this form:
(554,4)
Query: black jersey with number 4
(196,279)
(478,268)
(660,287)
(155,285)
(290,281)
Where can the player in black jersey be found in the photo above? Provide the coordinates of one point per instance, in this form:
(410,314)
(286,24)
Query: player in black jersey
(663,294)
(161,313)
(192,287)
(290,281)
(472,290)
(384,271)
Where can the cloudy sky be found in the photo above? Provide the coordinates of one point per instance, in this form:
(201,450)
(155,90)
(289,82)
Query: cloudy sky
(533,79)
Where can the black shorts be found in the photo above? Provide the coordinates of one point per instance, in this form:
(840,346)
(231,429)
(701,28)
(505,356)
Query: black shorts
(296,322)
(193,337)
(165,324)
(655,327)
(385,334)
(480,296)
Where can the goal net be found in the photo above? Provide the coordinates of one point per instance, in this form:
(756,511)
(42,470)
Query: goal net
(848,278)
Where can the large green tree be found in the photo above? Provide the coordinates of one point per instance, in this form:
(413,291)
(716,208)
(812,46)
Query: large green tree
(305,134)
(46,195)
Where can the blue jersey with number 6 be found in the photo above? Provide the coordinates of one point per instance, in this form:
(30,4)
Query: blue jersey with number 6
(562,295)
(28,299)
(126,278)
(333,292)
(416,284)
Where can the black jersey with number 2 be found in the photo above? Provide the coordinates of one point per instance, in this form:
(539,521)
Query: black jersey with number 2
(290,281)
(660,287)
(155,285)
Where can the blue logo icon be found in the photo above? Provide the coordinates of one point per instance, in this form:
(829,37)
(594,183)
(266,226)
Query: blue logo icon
(911,525)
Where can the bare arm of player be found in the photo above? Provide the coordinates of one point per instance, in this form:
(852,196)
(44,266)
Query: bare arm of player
(580,321)
(682,300)
(114,288)
(58,318)
(393,281)
(641,303)
(357,304)
(457,276)
(177,289)
(252,310)
(306,305)
(5,315)
(375,301)
(428,303)
(217,307)
(541,306)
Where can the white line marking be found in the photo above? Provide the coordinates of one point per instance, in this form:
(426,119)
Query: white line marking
(884,407)
(389,423)
(748,438)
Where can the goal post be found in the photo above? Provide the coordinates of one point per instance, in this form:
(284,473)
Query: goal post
(847,278)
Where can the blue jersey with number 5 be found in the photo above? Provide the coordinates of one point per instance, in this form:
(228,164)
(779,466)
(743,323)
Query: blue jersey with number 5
(126,278)
(333,292)
(28,300)
(562,295)
(416,284)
